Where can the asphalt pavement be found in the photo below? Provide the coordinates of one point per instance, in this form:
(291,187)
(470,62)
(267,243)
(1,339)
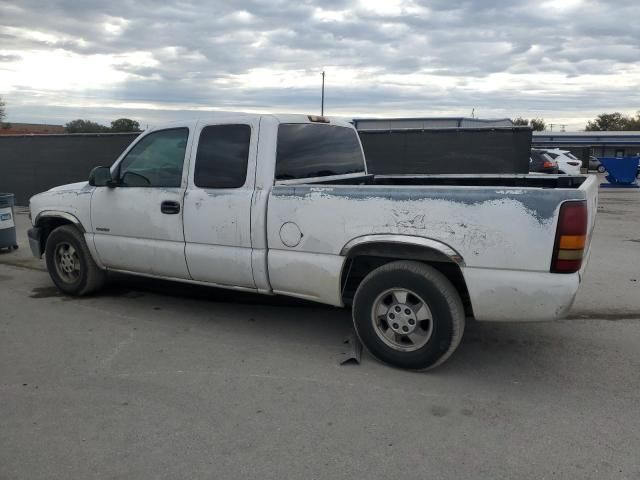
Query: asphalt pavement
(157,380)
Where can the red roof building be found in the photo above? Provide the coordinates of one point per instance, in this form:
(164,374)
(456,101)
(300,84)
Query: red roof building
(11,128)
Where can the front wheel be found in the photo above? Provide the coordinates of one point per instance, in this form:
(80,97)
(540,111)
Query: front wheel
(70,264)
(409,315)
(601,169)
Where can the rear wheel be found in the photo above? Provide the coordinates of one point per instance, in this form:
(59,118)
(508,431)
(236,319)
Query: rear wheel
(409,315)
(70,264)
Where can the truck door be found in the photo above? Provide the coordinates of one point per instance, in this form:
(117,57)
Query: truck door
(138,223)
(217,204)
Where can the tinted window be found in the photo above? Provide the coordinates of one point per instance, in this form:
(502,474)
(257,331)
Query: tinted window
(156,160)
(538,158)
(311,150)
(223,152)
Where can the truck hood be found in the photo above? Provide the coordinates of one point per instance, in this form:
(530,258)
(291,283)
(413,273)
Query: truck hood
(76,188)
(70,187)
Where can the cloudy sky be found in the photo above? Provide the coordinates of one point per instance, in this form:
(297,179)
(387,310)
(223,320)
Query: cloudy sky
(563,60)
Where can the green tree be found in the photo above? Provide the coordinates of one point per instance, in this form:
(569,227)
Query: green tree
(610,121)
(538,124)
(85,126)
(125,125)
(634,122)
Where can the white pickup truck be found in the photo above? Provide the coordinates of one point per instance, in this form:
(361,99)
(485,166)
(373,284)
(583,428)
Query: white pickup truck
(283,204)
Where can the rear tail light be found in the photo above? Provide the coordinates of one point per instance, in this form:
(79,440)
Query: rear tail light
(548,164)
(571,237)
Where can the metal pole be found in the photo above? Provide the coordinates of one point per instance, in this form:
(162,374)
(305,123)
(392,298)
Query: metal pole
(322,101)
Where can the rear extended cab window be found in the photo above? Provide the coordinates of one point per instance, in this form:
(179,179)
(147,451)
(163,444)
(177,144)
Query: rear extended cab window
(307,150)
(223,154)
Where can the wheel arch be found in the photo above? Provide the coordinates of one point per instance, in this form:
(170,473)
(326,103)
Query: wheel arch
(364,254)
(427,248)
(48,220)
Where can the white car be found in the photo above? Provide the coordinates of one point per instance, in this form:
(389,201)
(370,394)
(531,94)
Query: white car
(283,204)
(567,161)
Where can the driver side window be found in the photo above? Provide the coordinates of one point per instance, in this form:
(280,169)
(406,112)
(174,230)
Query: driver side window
(156,160)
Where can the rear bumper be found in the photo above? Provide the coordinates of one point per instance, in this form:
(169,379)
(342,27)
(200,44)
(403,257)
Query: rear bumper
(34,241)
(517,296)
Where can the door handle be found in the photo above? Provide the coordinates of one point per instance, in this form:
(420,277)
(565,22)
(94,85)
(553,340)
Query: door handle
(170,207)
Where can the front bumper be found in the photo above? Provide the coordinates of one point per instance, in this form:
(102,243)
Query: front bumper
(34,241)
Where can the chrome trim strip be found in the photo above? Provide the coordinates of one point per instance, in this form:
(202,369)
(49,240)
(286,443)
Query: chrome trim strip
(404,240)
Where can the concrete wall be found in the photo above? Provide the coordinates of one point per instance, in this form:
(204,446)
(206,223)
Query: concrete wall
(31,164)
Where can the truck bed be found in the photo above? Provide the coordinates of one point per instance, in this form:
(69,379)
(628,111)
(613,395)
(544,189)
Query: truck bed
(502,228)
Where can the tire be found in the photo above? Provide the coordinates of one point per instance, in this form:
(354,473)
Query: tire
(601,169)
(70,264)
(430,341)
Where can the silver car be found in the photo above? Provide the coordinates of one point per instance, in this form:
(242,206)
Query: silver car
(594,164)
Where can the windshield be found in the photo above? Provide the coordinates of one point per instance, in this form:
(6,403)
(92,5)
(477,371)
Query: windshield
(307,150)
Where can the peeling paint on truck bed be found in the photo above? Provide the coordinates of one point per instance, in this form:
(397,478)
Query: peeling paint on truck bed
(489,227)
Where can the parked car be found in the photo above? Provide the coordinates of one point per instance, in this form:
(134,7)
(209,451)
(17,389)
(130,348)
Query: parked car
(567,162)
(594,164)
(540,162)
(283,204)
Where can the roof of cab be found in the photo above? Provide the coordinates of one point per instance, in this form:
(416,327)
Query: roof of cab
(279,117)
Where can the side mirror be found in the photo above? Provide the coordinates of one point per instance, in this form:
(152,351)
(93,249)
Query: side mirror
(101,177)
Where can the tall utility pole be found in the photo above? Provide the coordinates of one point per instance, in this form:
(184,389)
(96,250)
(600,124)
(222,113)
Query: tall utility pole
(322,101)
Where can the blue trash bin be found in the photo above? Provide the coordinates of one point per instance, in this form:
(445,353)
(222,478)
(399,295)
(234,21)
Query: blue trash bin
(7,222)
(622,170)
